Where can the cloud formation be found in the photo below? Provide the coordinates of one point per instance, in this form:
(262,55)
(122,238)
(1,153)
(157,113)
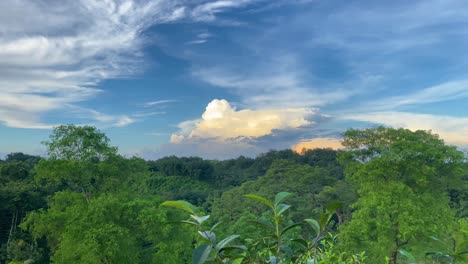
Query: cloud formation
(223,121)
(314,143)
(48,64)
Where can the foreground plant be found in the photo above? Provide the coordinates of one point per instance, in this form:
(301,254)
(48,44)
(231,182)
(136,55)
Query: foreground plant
(210,250)
(275,246)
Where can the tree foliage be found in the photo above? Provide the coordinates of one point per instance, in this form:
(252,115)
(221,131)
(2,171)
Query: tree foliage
(402,179)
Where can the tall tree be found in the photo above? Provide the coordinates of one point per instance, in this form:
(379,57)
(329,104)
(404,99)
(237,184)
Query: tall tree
(100,212)
(402,178)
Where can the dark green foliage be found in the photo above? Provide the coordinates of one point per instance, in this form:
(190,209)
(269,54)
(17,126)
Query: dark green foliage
(306,182)
(194,168)
(18,195)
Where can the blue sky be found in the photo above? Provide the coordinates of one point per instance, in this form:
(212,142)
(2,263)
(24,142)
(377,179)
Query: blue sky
(223,78)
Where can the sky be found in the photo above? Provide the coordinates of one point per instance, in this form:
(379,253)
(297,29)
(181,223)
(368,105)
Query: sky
(223,78)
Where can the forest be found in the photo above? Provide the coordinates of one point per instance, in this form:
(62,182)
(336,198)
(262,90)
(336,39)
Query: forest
(390,196)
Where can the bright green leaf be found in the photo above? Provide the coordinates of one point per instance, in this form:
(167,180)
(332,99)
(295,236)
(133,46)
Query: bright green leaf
(184,205)
(281,196)
(260,199)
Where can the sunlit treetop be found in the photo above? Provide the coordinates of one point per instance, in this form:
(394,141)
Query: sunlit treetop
(79,143)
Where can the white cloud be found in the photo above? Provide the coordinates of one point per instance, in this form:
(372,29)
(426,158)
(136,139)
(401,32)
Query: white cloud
(48,64)
(176,138)
(123,121)
(447,91)
(453,130)
(223,121)
(278,82)
(207,11)
(159,102)
(102,119)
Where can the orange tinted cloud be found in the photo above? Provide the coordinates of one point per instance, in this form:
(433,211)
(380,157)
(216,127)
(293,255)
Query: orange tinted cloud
(314,143)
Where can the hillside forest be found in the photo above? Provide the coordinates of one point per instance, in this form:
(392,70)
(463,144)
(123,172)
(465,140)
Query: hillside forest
(390,196)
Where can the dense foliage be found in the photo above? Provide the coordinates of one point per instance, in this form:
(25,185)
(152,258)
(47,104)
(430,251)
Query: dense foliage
(393,196)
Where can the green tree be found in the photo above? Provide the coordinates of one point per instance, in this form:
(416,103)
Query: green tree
(402,178)
(101,211)
(79,143)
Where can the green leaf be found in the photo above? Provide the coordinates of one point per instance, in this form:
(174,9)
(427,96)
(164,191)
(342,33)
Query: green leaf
(281,196)
(200,255)
(225,241)
(281,208)
(301,241)
(286,229)
(260,199)
(314,224)
(200,219)
(184,222)
(238,260)
(208,235)
(184,205)
(408,255)
(324,219)
(332,207)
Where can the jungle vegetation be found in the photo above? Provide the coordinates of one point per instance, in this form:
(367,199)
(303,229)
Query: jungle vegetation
(391,196)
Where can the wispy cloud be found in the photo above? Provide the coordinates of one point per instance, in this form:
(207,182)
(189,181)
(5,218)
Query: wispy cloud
(159,102)
(278,82)
(207,11)
(101,119)
(157,134)
(451,90)
(201,38)
(47,64)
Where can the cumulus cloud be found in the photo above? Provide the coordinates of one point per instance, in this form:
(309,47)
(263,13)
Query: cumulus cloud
(314,143)
(223,121)
(453,130)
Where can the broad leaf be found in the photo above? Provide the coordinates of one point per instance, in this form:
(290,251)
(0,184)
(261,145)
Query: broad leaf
(186,206)
(281,196)
(260,199)
(314,224)
(225,241)
(300,241)
(208,235)
(286,229)
(200,255)
(324,219)
(281,208)
(200,219)
(332,207)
